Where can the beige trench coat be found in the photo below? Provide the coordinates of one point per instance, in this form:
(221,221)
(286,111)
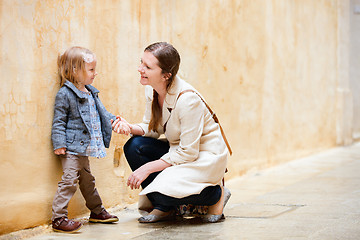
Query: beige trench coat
(198,153)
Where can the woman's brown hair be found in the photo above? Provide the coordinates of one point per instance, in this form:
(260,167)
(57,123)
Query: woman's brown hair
(169,62)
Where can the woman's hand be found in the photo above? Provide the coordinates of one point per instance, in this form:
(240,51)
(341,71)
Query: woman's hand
(121,126)
(60,151)
(138,176)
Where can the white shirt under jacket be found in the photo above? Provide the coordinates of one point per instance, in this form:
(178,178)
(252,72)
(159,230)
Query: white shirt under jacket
(198,153)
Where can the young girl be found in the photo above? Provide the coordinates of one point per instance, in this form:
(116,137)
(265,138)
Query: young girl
(81,128)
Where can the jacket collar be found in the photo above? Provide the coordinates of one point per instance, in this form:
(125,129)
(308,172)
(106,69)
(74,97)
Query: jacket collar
(171,97)
(70,85)
(173,92)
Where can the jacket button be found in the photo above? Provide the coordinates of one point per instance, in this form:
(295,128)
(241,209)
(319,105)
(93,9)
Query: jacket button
(85,132)
(81,142)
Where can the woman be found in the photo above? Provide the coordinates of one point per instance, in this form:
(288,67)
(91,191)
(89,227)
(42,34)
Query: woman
(189,166)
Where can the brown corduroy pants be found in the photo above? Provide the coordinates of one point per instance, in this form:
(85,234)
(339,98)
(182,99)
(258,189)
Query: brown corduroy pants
(76,169)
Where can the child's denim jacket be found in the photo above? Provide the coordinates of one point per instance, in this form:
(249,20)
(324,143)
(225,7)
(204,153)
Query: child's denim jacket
(71,123)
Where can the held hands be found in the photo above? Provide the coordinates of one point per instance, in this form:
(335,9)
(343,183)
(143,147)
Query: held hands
(60,151)
(121,126)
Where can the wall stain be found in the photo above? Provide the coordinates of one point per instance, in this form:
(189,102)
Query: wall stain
(205,51)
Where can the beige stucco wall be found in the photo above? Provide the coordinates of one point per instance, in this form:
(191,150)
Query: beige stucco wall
(268,68)
(354,62)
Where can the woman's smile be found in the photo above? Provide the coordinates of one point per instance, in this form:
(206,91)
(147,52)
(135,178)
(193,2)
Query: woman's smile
(150,72)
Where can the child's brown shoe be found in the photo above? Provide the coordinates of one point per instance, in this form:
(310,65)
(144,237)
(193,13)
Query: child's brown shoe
(65,225)
(103,217)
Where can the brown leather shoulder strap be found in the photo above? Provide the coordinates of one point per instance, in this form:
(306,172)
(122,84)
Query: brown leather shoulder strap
(213,116)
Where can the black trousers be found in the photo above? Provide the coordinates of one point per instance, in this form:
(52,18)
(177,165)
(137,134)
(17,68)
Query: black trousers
(141,150)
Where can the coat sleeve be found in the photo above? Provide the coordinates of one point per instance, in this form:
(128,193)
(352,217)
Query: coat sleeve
(58,131)
(147,115)
(109,115)
(190,110)
(103,110)
(105,117)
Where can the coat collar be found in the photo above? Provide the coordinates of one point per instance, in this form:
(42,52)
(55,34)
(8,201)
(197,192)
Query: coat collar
(70,85)
(178,86)
(173,92)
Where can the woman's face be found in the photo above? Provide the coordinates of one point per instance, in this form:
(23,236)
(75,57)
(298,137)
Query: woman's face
(151,73)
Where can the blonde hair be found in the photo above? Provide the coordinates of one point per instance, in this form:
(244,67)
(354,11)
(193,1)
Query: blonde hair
(71,62)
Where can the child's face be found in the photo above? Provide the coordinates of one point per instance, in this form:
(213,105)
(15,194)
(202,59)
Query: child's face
(87,77)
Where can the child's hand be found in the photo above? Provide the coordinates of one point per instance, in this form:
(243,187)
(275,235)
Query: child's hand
(60,151)
(115,124)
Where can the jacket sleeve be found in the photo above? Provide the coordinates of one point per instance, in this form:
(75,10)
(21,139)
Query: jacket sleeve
(109,115)
(58,131)
(190,110)
(147,115)
(103,110)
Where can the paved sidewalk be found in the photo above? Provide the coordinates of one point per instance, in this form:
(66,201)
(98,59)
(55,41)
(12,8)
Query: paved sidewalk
(316,197)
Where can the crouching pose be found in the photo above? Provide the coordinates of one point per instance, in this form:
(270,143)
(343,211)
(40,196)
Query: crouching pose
(189,165)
